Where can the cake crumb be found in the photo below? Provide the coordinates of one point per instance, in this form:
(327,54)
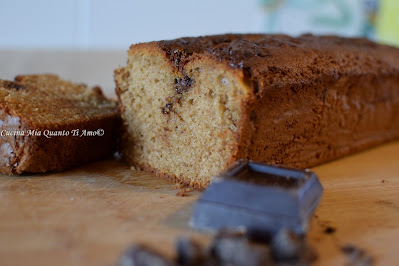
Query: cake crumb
(184,192)
(330,230)
(178,186)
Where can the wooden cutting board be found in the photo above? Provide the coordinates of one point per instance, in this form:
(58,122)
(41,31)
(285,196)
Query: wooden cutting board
(87,216)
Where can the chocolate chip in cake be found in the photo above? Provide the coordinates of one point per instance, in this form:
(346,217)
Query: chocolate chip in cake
(14,85)
(182,85)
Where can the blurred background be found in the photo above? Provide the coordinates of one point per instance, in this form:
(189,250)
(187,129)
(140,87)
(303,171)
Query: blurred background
(84,40)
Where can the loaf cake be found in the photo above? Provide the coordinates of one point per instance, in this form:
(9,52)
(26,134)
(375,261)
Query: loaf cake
(48,124)
(192,106)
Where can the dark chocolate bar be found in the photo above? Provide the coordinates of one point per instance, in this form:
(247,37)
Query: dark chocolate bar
(260,198)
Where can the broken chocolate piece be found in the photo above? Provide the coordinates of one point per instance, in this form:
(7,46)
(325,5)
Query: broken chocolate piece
(290,248)
(357,256)
(235,249)
(143,256)
(189,253)
(287,246)
(258,197)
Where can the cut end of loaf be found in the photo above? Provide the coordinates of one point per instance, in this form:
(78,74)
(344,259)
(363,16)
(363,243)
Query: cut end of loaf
(181,122)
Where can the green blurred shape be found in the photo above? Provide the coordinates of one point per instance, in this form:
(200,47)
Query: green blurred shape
(388,22)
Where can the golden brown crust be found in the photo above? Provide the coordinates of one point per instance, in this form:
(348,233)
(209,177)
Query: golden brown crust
(311,99)
(42,105)
(303,125)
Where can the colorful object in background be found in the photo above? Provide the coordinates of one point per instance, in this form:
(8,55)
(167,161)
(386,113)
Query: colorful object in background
(388,22)
(342,17)
(370,9)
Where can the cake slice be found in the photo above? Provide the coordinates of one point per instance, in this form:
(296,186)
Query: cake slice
(193,106)
(48,124)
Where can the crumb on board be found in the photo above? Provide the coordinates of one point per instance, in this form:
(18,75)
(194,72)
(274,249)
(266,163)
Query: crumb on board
(178,186)
(184,192)
(330,230)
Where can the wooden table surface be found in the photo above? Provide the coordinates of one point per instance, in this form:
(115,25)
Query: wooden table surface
(87,216)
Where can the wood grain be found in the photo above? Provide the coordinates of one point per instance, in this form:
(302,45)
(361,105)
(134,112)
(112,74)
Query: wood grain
(87,216)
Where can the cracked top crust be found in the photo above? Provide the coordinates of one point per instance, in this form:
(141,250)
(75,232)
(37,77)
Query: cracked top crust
(275,59)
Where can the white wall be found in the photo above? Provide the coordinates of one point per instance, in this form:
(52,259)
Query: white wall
(115,24)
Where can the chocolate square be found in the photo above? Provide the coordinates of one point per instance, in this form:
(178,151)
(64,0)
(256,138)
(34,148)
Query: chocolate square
(258,197)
